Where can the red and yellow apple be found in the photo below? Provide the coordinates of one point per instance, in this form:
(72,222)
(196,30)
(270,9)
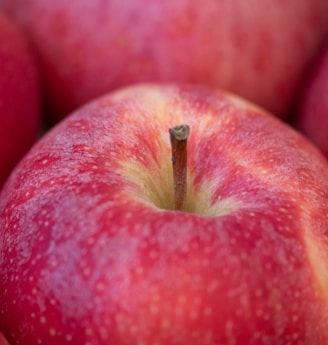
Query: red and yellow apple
(313,110)
(19,97)
(94,252)
(258,49)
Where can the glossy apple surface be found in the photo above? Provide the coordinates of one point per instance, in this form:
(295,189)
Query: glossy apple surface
(19,97)
(92,252)
(313,111)
(258,49)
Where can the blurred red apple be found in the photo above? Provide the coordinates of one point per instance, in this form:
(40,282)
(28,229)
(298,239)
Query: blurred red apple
(3,341)
(258,49)
(19,97)
(313,111)
(93,252)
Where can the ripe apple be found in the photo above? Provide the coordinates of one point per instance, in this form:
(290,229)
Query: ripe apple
(258,49)
(313,110)
(93,250)
(19,97)
(3,341)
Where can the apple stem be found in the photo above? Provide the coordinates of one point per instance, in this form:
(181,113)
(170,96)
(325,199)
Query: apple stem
(179,137)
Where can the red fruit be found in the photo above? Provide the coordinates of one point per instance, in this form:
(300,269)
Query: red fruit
(313,110)
(258,49)
(19,97)
(91,251)
(3,341)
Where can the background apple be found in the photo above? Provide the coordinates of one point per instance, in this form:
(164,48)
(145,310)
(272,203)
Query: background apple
(258,49)
(92,252)
(3,341)
(313,110)
(19,97)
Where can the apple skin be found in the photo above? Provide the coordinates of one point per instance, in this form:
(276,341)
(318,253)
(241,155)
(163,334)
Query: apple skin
(20,98)
(3,341)
(258,49)
(313,110)
(92,252)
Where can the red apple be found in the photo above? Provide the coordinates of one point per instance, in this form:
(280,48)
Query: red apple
(19,97)
(93,252)
(3,341)
(258,49)
(313,111)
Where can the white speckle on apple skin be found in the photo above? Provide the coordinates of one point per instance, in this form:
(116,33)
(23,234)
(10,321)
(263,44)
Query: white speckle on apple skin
(93,245)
